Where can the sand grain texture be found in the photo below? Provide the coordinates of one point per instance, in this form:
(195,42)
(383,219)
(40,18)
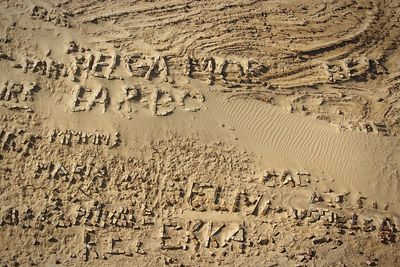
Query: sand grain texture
(197,133)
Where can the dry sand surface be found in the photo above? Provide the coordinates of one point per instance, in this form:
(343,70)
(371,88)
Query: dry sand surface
(197,133)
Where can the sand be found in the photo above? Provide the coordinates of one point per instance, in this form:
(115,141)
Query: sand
(197,133)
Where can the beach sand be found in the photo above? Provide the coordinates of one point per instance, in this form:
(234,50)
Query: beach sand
(197,133)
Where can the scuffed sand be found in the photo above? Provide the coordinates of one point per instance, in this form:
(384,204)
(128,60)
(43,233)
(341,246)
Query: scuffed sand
(196,133)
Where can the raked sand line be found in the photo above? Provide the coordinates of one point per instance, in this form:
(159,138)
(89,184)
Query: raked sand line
(288,136)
